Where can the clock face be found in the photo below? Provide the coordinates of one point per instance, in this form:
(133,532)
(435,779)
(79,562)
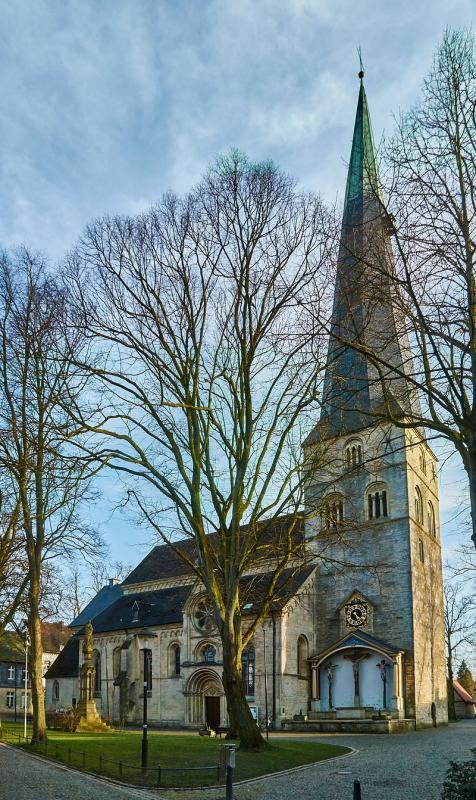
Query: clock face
(356,613)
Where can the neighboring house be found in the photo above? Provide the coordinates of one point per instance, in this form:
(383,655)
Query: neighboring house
(54,636)
(351,647)
(465,706)
(12,677)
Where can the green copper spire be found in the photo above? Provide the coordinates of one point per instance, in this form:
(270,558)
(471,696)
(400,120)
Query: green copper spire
(363,308)
(362,178)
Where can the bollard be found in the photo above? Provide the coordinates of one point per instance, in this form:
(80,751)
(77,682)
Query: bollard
(100,763)
(158,775)
(357,792)
(120,769)
(84,760)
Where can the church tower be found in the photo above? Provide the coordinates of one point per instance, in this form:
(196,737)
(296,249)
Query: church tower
(379,645)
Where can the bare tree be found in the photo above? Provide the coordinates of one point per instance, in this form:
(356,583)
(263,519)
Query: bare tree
(13,566)
(460,628)
(430,211)
(211,373)
(36,457)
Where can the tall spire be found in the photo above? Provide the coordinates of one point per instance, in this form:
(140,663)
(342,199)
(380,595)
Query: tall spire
(363,309)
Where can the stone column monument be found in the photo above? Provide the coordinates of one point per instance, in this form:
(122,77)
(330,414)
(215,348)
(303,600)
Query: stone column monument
(89,717)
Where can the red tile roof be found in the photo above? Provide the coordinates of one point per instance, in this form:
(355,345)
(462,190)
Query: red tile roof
(462,693)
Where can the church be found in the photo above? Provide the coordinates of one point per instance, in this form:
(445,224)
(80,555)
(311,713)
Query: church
(359,650)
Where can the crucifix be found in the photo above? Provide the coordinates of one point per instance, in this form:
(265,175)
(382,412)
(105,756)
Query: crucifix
(356,657)
(329,668)
(383,666)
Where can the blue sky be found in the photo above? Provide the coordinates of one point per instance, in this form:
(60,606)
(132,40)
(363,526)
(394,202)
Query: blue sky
(106,104)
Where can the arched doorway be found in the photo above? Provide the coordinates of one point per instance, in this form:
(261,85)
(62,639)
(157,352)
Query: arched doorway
(205,699)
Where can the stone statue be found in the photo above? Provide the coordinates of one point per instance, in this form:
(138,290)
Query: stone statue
(88,643)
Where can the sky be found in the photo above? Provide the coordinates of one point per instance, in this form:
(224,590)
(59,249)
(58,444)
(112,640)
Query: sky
(107,104)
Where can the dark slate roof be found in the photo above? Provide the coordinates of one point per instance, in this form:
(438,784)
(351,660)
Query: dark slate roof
(66,664)
(253,587)
(104,598)
(12,649)
(163,562)
(160,607)
(364,310)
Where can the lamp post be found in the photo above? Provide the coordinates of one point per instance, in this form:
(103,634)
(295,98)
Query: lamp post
(25,711)
(143,638)
(265,684)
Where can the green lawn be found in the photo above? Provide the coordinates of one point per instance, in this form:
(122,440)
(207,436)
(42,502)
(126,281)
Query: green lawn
(102,753)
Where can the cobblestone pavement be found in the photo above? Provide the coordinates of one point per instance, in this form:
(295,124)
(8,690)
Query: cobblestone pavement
(25,777)
(389,768)
(395,767)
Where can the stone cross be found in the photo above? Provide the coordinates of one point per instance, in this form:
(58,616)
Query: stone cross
(330,667)
(356,657)
(383,666)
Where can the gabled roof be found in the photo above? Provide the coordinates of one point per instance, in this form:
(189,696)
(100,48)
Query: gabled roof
(104,598)
(12,648)
(163,562)
(358,639)
(66,664)
(462,693)
(160,607)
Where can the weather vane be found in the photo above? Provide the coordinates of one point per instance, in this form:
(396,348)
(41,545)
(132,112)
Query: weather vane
(361,71)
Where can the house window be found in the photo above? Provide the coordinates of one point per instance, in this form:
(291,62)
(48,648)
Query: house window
(421,551)
(431,519)
(418,506)
(248,671)
(10,699)
(208,653)
(302,656)
(56,690)
(11,673)
(377,502)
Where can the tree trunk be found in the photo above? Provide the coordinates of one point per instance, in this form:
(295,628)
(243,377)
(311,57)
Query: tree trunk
(451,694)
(471,470)
(36,663)
(242,724)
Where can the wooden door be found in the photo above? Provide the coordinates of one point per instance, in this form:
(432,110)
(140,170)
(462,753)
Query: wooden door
(212,712)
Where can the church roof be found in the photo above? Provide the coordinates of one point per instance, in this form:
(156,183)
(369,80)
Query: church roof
(66,664)
(104,598)
(163,562)
(158,607)
(363,310)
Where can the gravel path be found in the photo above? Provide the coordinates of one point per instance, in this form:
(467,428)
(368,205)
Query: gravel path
(389,768)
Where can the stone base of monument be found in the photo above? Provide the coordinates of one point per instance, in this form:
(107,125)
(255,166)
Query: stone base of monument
(90,721)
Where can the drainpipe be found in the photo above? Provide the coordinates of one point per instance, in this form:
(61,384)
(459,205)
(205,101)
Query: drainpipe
(273,721)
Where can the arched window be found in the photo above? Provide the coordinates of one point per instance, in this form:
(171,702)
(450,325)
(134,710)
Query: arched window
(302,656)
(174,659)
(431,519)
(377,501)
(353,453)
(422,459)
(333,511)
(248,670)
(209,653)
(55,690)
(97,673)
(418,506)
